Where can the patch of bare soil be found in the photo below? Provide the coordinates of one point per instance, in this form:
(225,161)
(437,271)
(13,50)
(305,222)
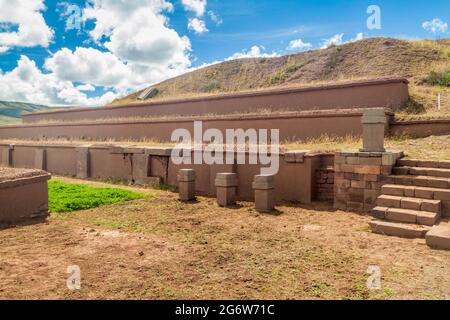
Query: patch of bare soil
(160,248)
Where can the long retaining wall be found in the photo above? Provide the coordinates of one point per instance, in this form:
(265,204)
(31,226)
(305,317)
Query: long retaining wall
(293,126)
(295,181)
(420,128)
(381,93)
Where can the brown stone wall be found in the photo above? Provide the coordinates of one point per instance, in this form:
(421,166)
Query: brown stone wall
(295,181)
(390,93)
(325,184)
(24,198)
(359,177)
(420,128)
(292,126)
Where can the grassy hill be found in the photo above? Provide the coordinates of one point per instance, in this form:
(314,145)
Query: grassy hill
(10,112)
(370,58)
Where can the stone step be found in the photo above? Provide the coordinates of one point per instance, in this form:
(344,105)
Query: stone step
(410,203)
(424,163)
(420,181)
(425,218)
(439,236)
(402,230)
(417,171)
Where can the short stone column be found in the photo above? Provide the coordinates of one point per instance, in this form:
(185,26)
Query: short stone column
(226,184)
(186,184)
(264,187)
(374,129)
(83,163)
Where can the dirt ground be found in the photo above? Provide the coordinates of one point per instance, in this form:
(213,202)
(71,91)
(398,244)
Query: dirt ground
(159,248)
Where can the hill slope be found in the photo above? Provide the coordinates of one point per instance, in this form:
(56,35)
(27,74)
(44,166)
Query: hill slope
(370,58)
(10,112)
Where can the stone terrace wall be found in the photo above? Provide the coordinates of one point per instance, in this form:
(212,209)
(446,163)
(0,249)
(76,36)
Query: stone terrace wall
(295,181)
(292,126)
(359,177)
(385,93)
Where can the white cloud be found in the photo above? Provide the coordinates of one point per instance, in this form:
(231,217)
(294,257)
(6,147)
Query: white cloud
(85,87)
(26,16)
(197,25)
(137,32)
(359,36)
(299,45)
(435,26)
(254,52)
(88,65)
(215,18)
(196,6)
(3,49)
(334,40)
(27,83)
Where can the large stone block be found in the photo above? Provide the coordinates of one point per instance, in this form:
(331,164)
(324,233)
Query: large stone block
(40,161)
(374,128)
(226,184)
(186,184)
(83,162)
(264,193)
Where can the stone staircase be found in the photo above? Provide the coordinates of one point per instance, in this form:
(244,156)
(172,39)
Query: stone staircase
(415,202)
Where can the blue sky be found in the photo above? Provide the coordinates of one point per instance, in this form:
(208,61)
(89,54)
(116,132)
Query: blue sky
(121,46)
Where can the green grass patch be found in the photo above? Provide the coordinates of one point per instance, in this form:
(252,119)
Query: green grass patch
(64,197)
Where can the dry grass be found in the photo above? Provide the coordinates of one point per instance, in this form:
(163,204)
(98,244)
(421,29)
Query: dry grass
(434,147)
(160,248)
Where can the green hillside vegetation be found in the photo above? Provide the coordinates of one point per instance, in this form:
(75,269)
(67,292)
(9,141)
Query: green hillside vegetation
(11,112)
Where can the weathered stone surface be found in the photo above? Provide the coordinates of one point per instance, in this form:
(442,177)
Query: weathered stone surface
(264,193)
(398,229)
(186,184)
(439,237)
(389,201)
(374,128)
(401,215)
(40,161)
(226,184)
(141,168)
(83,162)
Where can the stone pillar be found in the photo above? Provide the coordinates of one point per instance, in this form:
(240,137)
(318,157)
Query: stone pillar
(40,161)
(83,162)
(359,176)
(7,160)
(264,193)
(141,168)
(226,185)
(186,184)
(374,128)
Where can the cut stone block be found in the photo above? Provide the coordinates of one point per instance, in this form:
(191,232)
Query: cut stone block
(374,129)
(379,212)
(393,190)
(226,184)
(264,193)
(407,162)
(141,169)
(186,184)
(40,161)
(427,218)
(411,203)
(83,162)
(439,237)
(389,201)
(401,230)
(401,215)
